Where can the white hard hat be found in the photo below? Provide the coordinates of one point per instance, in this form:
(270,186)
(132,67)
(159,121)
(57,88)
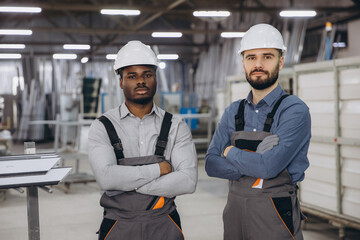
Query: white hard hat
(262,36)
(135,53)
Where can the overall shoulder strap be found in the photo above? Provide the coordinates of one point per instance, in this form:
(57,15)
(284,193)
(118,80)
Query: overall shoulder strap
(163,136)
(239,118)
(270,116)
(114,138)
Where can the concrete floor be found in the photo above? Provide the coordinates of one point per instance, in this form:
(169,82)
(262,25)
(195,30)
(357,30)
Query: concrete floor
(77,214)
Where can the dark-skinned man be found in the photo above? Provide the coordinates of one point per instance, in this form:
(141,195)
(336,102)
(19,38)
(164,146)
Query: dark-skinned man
(141,156)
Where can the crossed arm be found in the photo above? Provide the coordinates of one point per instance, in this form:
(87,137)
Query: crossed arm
(293,132)
(152,179)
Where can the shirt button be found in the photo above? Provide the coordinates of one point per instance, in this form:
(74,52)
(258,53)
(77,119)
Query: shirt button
(141,142)
(254,129)
(256,111)
(141,123)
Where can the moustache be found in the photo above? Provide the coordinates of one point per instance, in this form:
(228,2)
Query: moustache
(259,70)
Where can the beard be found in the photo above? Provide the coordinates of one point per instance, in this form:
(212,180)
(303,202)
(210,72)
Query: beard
(142,101)
(138,99)
(261,84)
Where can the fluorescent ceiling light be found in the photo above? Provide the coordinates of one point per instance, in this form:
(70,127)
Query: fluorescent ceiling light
(127,12)
(20,9)
(12,46)
(232,34)
(166,34)
(84,60)
(111,56)
(77,46)
(10,56)
(339,44)
(162,65)
(167,56)
(15,32)
(211,13)
(64,56)
(298,13)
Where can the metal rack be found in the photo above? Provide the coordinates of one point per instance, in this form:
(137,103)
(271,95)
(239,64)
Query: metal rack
(209,118)
(16,173)
(329,88)
(76,176)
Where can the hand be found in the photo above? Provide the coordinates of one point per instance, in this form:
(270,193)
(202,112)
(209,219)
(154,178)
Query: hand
(165,168)
(227,149)
(267,144)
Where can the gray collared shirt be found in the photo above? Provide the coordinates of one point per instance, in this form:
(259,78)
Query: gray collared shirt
(138,137)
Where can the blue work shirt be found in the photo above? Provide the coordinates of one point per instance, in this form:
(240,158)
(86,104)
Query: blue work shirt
(292,124)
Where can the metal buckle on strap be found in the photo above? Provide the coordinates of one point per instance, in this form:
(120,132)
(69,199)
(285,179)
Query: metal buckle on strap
(118,146)
(161,144)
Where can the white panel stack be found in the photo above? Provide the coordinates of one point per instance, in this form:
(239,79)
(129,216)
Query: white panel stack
(317,86)
(221,103)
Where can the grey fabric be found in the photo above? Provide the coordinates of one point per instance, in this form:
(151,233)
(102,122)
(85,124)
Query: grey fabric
(267,144)
(139,161)
(250,213)
(134,186)
(253,136)
(135,161)
(159,228)
(139,137)
(134,214)
(132,200)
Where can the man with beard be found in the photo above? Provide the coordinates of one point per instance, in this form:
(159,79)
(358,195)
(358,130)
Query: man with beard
(141,156)
(261,146)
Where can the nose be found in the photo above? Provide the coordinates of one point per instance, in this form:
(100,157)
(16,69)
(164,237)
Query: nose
(140,80)
(258,63)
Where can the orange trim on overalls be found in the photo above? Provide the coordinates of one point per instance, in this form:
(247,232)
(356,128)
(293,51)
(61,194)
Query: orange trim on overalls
(177,226)
(247,150)
(257,182)
(110,230)
(281,219)
(160,203)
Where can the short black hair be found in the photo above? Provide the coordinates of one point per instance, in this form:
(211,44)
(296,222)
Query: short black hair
(120,70)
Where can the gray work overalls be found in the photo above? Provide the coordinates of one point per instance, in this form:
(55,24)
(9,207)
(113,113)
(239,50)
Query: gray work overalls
(135,216)
(259,209)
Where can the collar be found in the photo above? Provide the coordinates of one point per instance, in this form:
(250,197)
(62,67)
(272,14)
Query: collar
(124,111)
(269,99)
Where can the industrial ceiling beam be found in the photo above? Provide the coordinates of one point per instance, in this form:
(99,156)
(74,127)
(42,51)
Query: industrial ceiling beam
(101,31)
(60,43)
(147,21)
(158,14)
(147,9)
(71,15)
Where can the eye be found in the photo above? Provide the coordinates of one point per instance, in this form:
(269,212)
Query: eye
(268,57)
(149,75)
(131,77)
(250,58)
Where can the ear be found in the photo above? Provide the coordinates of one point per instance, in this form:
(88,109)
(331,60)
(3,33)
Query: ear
(281,62)
(243,64)
(121,83)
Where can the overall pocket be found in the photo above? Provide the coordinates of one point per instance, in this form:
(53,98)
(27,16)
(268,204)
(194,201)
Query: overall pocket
(283,206)
(106,227)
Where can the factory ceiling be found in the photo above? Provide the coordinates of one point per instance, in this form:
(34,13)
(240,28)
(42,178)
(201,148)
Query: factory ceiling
(80,22)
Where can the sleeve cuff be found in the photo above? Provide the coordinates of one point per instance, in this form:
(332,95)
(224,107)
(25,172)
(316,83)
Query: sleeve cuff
(154,171)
